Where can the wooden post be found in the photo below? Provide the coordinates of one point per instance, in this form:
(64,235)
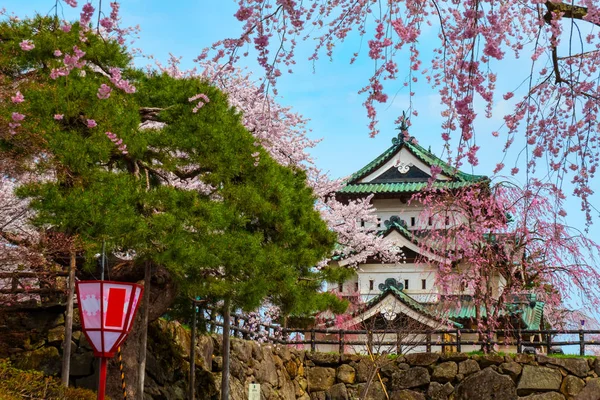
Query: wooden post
(519,341)
(458,343)
(285,336)
(398,343)
(236,325)
(548,342)
(144,337)
(193,353)
(581,343)
(66,361)
(313,345)
(370,340)
(428,342)
(341,342)
(226,353)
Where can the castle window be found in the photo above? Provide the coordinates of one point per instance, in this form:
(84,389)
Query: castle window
(356,286)
(406,284)
(430,221)
(447,220)
(423,284)
(362,223)
(379,222)
(371,284)
(412,221)
(341,287)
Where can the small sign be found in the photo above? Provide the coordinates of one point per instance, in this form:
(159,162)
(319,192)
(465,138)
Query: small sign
(254,391)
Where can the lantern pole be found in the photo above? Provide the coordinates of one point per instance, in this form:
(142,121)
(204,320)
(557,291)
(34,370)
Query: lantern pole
(102,383)
(103,360)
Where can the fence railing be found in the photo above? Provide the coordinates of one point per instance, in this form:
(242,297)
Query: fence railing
(19,288)
(396,340)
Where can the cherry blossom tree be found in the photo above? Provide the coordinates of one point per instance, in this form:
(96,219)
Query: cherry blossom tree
(502,241)
(552,118)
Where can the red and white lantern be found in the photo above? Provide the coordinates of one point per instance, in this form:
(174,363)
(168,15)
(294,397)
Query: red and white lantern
(107,310)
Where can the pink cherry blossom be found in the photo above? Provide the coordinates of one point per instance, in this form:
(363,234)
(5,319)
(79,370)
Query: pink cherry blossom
(203,100)
(72,3)
(57,53)
(117,142)
(104,91)
(90,123)
(58,117)
(17,117)
(86,15)
(27,45)
(123,84)
(17,98)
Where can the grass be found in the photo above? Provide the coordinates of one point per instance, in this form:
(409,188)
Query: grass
(569,356)
(16,384)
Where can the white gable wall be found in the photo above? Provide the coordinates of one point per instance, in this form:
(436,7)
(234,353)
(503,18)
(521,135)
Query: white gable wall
(402,157)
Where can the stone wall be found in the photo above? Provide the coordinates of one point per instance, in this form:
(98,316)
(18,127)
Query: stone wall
(290,374)
(33,340)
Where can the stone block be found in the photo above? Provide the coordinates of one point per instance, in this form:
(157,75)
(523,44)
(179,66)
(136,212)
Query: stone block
(445,372)
(406,395)
(511,369)
(346,374)
(337,392)
(320,379)
(571,385)
(422,359)
(437,391)
(538,379)
(484,385)
(412,378)
(468,367)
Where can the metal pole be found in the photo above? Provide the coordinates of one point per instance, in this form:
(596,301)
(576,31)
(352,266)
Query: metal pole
(193,353)
(102,383)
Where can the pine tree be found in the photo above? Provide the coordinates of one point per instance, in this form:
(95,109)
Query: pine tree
(158,167)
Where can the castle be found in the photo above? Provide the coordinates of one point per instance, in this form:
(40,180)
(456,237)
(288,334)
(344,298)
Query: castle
(405,294)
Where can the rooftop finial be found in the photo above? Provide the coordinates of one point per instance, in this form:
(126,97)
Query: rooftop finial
(403,128)
(403,123)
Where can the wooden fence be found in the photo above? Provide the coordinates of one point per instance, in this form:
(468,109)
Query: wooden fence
(23,288)
(430,340)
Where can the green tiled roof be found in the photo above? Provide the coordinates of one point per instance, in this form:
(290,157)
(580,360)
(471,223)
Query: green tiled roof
(401,187)
(409,302)
(459,179)
(530,316)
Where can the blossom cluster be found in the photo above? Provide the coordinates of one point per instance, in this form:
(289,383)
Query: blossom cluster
(117,142)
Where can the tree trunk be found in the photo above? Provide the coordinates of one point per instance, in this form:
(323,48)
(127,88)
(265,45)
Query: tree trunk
(225,375)
(144,337)
(163,292)
(66,361)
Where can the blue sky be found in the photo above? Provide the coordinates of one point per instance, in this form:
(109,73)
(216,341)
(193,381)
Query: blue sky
(328,97)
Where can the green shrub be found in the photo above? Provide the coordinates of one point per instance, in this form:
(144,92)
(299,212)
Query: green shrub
(18,384)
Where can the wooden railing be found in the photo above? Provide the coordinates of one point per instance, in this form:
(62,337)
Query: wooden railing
(397,339)
(21,287)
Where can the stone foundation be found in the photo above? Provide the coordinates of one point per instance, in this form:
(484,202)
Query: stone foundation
(33,340)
